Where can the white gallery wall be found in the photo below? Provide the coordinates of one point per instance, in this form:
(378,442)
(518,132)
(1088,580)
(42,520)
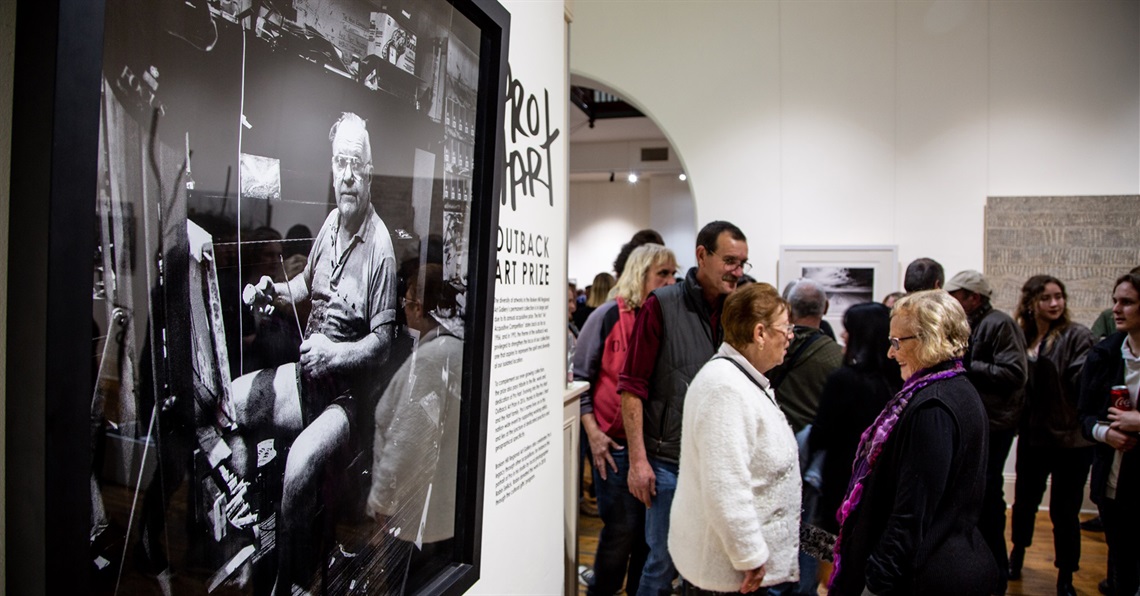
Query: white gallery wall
(604,215)
(874,122)
(671,213)
(522,547)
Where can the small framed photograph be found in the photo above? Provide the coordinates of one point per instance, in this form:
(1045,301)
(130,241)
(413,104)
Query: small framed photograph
(849,274)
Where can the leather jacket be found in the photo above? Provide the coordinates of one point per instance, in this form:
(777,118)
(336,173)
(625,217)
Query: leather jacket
(996,365)
(1052,391)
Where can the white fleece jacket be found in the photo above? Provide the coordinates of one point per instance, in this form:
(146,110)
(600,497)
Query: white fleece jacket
(737,504)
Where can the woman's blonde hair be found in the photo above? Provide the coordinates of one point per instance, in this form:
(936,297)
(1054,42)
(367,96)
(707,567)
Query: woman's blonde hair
(746,307)
(631,285)
(940,325)
(600,290)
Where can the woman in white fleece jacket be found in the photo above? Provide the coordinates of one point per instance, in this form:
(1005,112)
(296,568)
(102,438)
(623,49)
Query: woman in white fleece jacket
(734,526)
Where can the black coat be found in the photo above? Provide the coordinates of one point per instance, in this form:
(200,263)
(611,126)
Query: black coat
(850,402)
(915,529)
(1104,368)
(996,365)
(1050,418)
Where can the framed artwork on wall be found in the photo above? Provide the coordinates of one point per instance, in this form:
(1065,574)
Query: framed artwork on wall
(256,354)
(849,274)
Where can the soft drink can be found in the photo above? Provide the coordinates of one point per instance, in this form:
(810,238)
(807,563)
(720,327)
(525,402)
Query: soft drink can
(1120,398)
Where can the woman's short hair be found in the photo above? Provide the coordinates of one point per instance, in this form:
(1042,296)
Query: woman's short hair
(940,325)
(748,306)
(631,285)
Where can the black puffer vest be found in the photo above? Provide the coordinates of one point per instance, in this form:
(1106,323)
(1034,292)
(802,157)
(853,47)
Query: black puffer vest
(687,342)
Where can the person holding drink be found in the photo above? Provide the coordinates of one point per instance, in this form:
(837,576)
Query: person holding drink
(1050,443)
(1108,413)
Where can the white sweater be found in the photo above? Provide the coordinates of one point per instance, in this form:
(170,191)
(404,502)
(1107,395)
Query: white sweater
(737,504)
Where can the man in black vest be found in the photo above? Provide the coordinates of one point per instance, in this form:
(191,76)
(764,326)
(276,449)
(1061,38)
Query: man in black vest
(677,330)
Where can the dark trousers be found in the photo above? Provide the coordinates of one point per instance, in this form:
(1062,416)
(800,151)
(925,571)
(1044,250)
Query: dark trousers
(688,589)
(1069,469)
(991,522)
(622,549)
(1121,527)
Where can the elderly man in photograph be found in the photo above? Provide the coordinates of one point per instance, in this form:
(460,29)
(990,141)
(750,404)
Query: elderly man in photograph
(350,280)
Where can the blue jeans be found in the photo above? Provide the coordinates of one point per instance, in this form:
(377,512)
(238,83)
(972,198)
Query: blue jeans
(621,544)
(657,577)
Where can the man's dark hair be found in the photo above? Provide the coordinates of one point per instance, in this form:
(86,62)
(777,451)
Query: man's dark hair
(924,274)
(712,230)
(641,238)
(1132,277)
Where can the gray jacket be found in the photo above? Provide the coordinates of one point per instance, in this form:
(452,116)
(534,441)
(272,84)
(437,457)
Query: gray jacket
(996,365)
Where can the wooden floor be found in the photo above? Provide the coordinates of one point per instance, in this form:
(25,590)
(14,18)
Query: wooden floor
(1038,577)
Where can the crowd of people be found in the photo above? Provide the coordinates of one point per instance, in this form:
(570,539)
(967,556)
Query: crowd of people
(735,442)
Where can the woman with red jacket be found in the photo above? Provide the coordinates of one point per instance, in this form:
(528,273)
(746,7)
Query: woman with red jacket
(599,359)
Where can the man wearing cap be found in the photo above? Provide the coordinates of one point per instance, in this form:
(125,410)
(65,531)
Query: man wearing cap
(996,365)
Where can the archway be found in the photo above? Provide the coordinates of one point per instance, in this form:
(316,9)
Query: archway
(625,176)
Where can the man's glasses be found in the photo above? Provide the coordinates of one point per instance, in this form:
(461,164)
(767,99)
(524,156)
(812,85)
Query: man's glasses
(404,302)
(895,341)
(340,162)
(732,263)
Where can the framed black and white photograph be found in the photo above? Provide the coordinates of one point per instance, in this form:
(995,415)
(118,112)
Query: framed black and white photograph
(845,286)
(281,225)
(850,275)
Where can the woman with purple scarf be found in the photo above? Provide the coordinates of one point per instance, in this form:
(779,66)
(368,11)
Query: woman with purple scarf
(908,523)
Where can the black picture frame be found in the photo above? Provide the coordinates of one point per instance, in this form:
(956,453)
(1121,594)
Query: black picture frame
(59,77)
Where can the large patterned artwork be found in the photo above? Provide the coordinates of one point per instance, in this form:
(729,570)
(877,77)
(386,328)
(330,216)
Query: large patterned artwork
(1085,241)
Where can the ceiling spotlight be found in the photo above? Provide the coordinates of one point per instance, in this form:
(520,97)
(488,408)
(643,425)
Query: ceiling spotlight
(632,178)
(682,177)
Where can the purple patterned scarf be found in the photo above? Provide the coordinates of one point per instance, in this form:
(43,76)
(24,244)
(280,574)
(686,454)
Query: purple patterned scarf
(873,439)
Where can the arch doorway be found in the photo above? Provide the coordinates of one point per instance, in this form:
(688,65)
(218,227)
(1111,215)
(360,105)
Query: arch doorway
(624,176)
